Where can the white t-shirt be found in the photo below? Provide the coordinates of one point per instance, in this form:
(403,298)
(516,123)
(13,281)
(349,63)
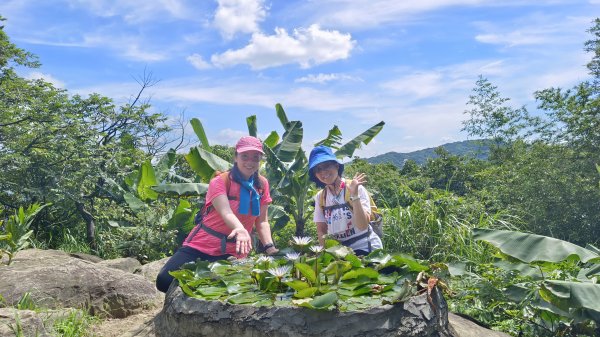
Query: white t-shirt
(340,221)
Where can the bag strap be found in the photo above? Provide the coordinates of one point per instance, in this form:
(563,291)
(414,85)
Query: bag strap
(374,209)
(323,195)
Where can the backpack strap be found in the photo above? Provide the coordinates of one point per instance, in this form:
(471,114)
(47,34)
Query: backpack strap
(225,176)
(323,195)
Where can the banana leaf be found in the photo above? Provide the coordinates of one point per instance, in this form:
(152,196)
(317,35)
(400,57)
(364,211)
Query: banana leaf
(147,179)
(205,163)
(161,169)
(281,115)
(134,203)
(291,142)
(182,189)
(199,130)
(347,150)
(278,216)
(531,247)
(272,139)
(251,122)
(334,138)
(568,295)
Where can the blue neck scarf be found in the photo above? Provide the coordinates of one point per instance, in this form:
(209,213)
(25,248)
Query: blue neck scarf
(249,196)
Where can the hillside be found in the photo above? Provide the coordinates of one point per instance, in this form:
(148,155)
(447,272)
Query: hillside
(475,148)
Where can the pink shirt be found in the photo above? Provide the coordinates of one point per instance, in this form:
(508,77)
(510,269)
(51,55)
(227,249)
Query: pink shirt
(210,244)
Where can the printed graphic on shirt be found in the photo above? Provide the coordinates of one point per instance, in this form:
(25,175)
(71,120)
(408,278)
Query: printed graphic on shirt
(339,222)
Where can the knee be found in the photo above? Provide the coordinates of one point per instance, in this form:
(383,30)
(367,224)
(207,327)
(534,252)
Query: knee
(163,281)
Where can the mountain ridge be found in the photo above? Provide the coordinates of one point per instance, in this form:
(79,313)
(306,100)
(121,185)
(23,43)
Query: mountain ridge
(477,148)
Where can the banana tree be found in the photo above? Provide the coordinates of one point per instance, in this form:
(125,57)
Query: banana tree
(553,294)
(287,165)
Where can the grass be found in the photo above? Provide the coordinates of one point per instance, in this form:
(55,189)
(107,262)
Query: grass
(439,229)
(77,324)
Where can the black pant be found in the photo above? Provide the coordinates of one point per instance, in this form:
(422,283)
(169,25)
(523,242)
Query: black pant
(181,256)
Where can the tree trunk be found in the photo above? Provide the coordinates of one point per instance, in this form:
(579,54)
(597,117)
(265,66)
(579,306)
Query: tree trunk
(300,227)
(89,225)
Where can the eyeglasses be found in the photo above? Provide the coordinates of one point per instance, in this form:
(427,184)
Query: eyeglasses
(254,158)
(325,166)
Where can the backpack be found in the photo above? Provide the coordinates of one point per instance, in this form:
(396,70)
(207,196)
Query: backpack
(375,220)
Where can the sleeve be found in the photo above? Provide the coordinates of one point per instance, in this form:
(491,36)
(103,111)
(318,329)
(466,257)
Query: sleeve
(365,200)
(266,197)
(318,215)
(216,187)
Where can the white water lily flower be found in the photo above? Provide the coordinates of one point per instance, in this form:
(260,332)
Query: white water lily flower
(292,256)
(316,249)
(301,240)
(264,259)
(280,272)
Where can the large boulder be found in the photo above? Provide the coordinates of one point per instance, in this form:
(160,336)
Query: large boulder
(151,270)
(183,316)
(15,322)
(463,327)
(55,279)
(128,264)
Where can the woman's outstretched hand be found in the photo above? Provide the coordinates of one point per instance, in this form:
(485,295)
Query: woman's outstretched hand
(359,179)
(243,242)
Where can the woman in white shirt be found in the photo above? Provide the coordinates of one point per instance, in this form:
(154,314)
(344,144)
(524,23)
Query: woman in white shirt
(343,217)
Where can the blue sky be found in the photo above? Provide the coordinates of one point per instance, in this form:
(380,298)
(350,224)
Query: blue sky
(351,63)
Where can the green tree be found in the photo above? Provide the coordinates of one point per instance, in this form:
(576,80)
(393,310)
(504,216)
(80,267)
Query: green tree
(491,117)
(61,150)
(453,173)
(383,181)
(549,179)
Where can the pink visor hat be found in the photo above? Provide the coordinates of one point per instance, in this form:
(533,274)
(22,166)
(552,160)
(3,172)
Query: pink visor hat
(249,143)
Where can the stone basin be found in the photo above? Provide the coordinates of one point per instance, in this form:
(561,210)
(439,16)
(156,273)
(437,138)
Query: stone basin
(184,316)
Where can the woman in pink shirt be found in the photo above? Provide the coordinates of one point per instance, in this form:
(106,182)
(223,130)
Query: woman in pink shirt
(236,201)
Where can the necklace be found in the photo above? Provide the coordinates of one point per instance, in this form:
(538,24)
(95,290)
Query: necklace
(334,187)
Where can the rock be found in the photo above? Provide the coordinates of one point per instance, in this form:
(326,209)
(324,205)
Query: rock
(128,264)
(151,270)
(87,257)
(463,327)
(184,316)
(15,322)
(55,280)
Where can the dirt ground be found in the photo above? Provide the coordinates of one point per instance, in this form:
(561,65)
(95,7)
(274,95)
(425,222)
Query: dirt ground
(140,325)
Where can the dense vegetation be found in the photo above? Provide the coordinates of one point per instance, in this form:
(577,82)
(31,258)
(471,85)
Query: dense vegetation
(83,174)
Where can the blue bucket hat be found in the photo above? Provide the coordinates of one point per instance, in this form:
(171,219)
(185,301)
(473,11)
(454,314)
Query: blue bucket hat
(318,155)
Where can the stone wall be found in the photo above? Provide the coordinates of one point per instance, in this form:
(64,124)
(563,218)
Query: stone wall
(183,316)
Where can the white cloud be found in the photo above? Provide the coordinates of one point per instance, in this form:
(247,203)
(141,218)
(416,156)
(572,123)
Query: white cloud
(198,62)
(323,78)
(533,30)
(239,16)
(307,47)
(127,46)
(417,85)
(35,75)
(228,136)
(134,11)
(516,37)
(354,13)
